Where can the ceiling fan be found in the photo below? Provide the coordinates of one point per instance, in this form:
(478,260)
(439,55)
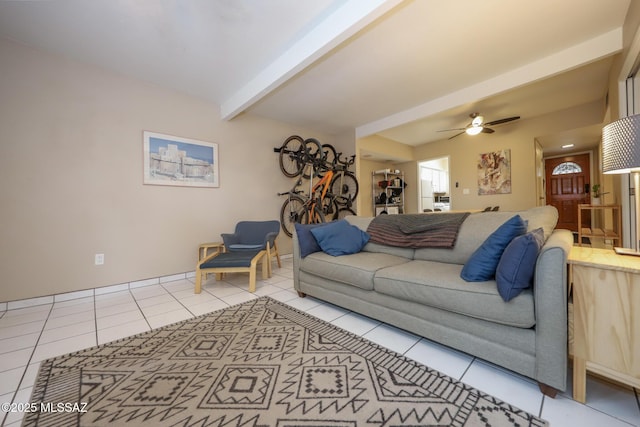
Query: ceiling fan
(478,125)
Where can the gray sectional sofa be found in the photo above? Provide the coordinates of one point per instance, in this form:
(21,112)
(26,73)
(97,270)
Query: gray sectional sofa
(421,291)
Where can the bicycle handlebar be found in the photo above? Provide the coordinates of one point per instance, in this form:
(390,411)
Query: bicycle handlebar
(293,189)
(290,192)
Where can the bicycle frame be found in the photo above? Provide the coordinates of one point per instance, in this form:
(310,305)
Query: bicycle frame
(321,187)
(299,208)
(324,183)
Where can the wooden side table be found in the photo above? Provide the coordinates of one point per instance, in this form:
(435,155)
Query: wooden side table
(606,322)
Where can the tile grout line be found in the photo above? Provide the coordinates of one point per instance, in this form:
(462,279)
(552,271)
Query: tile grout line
(59,327)
(622,420)
(544,397)
(467,368)
(179,302)
(15,393)
(636,392)
(140,308)
(95,316)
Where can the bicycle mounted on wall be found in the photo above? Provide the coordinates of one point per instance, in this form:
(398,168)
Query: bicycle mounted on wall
(332,194)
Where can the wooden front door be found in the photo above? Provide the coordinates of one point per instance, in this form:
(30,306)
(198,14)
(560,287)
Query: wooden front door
(568,184)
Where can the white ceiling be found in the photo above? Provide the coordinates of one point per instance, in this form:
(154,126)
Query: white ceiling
(400,69)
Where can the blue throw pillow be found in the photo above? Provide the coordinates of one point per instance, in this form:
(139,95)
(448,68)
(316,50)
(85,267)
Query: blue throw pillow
(306,241)
(340,238)
(518,263)
(482,264)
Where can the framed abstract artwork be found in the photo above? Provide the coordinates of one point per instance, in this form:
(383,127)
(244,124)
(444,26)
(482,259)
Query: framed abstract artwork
(494,173)
(172,160)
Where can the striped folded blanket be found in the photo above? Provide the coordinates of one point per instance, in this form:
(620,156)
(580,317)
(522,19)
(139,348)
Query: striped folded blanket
(431,230)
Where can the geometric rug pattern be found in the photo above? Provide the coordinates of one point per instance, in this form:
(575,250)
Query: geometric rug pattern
(260,363)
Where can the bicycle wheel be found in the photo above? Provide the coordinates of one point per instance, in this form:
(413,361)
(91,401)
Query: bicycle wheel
(313,215)
(330,208)
(344,212)
(345,186)
(329,153)
(291,156)
(312,155)
(326,161)
(292,211)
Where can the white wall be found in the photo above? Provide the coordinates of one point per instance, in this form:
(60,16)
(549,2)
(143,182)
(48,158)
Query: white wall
(71,176)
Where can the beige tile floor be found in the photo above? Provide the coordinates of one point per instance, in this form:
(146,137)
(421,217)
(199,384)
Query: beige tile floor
(33,333)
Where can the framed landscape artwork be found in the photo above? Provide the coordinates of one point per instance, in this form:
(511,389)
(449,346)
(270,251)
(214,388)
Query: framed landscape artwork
(171,160)
(494,173)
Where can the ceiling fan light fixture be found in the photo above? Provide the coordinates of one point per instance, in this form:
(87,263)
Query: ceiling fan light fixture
(473,130)
(477,120)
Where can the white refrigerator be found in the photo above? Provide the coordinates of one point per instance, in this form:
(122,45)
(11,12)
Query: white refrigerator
(426,192)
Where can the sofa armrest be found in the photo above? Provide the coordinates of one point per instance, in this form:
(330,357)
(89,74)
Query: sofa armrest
(550,293)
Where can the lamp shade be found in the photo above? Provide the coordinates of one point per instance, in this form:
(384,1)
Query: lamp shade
(621,146)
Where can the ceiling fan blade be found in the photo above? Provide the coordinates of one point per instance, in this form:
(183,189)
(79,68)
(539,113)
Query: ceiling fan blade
(448,130)
(500,121)
(457,134)
(487,130)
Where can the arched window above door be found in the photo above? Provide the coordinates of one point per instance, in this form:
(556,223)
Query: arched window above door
(566,167)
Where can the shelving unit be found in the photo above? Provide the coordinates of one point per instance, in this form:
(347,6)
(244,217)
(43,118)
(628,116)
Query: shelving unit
(387,191)
(611,234)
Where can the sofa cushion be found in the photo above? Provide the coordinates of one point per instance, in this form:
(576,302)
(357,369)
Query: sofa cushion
(307,242)
(362,222)
(355,269)
(482,265)
(340,238)
(439,285)
(517,264)
(545,217)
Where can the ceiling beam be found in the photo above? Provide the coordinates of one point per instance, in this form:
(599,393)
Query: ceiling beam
(343,23)
(583,53)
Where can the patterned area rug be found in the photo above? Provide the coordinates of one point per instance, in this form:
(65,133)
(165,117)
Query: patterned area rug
(260,363)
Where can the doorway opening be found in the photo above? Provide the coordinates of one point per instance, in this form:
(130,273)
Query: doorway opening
(568,183)
(433,182)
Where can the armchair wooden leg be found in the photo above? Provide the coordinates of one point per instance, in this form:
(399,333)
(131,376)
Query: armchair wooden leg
(266,267)
(252,275)
(198,288)
(252,280)
(268,260)
(275,247)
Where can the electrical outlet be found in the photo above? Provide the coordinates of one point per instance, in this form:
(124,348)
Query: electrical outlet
(99,259)
(465,191)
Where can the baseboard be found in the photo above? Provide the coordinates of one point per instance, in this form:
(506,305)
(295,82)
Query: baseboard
(66,296)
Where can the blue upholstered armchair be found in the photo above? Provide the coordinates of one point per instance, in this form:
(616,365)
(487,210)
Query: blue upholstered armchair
(253,235)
